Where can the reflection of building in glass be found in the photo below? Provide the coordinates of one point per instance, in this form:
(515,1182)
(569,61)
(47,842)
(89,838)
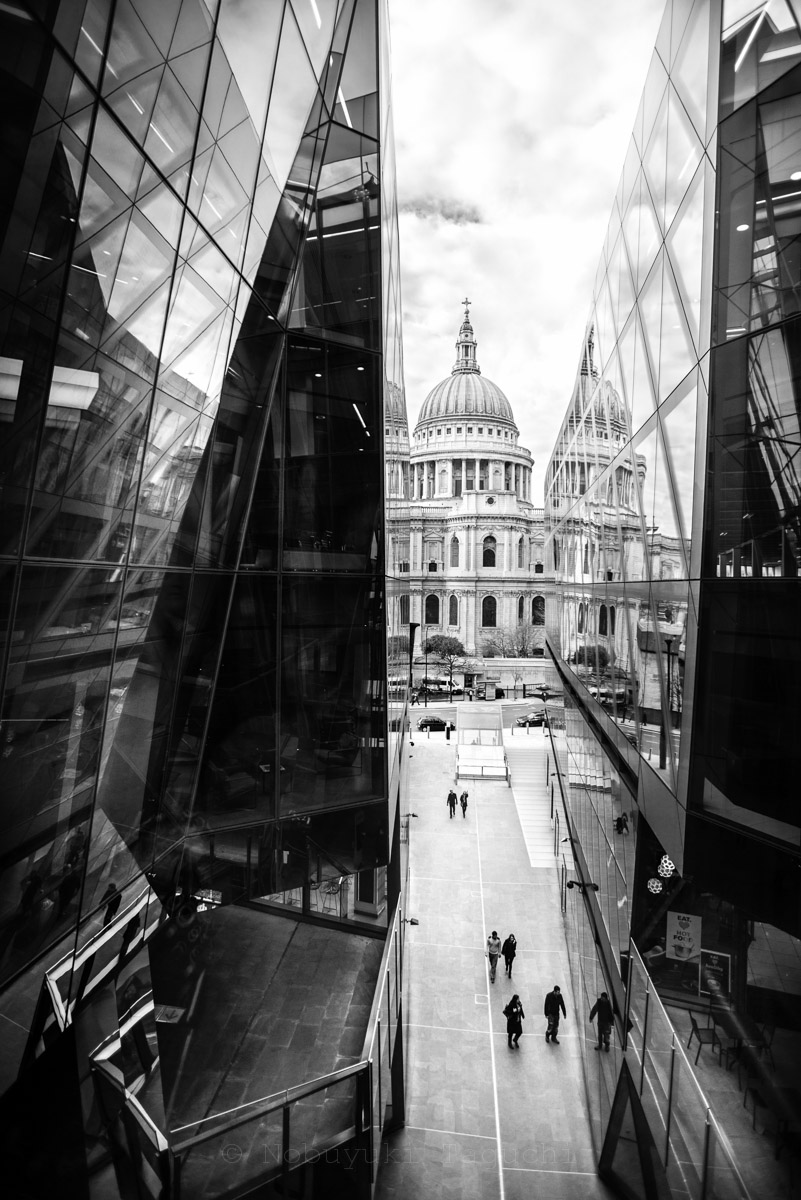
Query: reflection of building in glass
(476,570)
(672,517)
(202,773)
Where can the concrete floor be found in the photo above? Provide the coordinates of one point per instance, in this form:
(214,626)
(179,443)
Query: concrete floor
(482,1120)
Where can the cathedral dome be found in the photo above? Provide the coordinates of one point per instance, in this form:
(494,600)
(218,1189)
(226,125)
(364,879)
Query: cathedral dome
(466,393)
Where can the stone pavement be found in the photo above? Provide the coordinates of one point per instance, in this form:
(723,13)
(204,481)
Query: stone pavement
(484,1121)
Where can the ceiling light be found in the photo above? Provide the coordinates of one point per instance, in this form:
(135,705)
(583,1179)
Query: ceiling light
(742,228)
(795,175)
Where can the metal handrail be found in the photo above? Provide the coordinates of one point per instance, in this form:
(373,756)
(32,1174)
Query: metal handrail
(264,1105)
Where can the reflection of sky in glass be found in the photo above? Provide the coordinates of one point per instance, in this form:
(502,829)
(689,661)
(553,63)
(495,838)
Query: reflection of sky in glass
(678,423)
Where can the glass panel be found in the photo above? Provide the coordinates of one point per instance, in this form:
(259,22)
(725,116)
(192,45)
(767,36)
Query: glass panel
(240,772)
(654,161)
(689,69)
(685,250)
(55,707)
(296,85)
(334,290)
(683,155)
(678,419)
(249,36)
(685,1165)
(636,374)
(331,735)
(330,467)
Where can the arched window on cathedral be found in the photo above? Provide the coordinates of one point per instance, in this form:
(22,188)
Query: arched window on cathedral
(432,610)
(581,618)
(489,612)
(520,608)
(453,611)
(538,610)
(404,610)
(454,551)
(602,621)
(488,558)
(520,551)
(612,619)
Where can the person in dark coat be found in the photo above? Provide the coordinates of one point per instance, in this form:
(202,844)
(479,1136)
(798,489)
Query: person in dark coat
(554,1003)
(509,950)
(514,1020)
(463,802)
(452,803)
(602,1008)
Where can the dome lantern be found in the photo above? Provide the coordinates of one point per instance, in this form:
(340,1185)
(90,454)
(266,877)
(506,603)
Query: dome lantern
(466,346)
(466,392)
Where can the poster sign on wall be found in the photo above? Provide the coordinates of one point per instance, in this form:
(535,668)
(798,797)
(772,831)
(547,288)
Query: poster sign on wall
(683,936)
(715,973)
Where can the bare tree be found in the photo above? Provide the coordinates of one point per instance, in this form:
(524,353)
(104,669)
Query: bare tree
(510,641)
(449,653)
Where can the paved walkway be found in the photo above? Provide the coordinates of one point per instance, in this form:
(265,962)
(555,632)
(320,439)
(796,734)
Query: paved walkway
(484,1121)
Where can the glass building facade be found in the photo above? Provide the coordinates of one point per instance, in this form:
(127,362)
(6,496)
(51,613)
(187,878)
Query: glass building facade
(672,519)
(203,462)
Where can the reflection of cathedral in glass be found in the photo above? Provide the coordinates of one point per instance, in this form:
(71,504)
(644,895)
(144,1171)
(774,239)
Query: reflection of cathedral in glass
(672,525)
(201,772)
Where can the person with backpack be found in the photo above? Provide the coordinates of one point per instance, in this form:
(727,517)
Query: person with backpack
(514,1020)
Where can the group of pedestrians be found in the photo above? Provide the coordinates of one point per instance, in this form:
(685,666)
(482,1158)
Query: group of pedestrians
(554,1005)
(451,802)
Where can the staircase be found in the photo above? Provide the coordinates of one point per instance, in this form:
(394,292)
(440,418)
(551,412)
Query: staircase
(527,755)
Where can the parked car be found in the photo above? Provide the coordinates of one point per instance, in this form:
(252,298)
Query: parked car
(544,692)
(532,718)
(435,723)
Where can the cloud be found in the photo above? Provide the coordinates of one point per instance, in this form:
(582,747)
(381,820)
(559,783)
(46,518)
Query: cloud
(439,209)
(512,122)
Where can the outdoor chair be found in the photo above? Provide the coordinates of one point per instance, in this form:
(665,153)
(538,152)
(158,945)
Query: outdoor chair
(706,1037)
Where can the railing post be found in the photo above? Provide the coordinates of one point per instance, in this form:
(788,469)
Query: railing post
(705,1164)
(670,1097)
(645,1035)
(285,1149)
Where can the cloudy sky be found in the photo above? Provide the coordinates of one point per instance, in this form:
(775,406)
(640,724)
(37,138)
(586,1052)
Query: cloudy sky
(512,120)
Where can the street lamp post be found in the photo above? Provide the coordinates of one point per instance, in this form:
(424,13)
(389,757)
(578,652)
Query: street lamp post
(663,733)
(425,678)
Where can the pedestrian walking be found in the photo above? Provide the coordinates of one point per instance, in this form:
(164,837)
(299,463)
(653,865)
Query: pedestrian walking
(492,952)
(463,802)
(554,1003)
(602,1008)
(509,950)
(514,1020)
(452,802)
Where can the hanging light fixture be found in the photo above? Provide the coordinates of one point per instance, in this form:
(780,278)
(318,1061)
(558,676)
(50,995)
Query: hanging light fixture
(666,867)
(655,886)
